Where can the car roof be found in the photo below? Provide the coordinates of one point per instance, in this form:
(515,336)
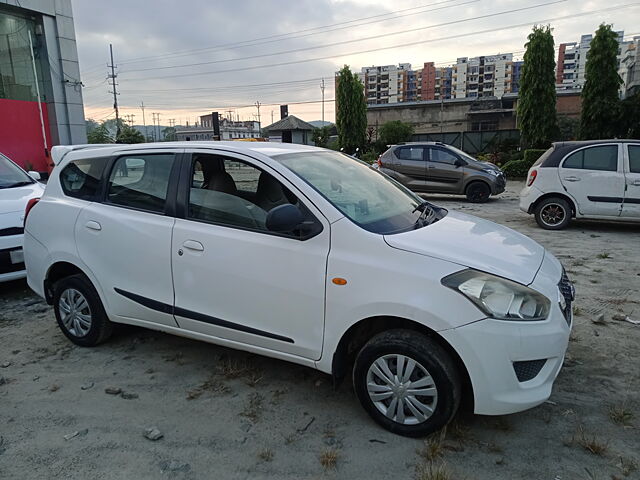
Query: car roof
(559,150)
(584,143)
(270,149)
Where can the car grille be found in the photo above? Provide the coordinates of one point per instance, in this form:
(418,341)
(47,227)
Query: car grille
(528,369)
(5,262)
(567,291)
(5,232)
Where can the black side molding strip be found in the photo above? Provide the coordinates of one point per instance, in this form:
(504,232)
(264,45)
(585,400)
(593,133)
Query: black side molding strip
(200,317)
(607,199)
(632,200)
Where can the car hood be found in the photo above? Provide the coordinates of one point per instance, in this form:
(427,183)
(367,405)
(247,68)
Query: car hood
(476,243)
(13,201)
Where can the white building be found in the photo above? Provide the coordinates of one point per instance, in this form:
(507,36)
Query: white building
(229,130)
(384,84)
(484,76)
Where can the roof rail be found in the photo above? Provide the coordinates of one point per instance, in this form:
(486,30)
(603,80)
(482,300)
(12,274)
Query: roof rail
(60,151)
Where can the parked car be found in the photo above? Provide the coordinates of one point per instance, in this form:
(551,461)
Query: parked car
(597,179)
(17,188)
(434,167)
(305,255)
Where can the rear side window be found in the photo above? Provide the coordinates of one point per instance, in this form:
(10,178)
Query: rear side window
(410,153)
(141,181)
(81,178)
(603,157)
(634,158)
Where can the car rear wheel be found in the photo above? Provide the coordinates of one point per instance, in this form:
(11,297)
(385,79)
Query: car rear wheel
(478,192)
(407,383)
(79,311)
(553,213)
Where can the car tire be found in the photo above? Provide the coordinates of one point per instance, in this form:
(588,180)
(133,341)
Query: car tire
(553,213)
(433,371)
(79,311)
(478,192)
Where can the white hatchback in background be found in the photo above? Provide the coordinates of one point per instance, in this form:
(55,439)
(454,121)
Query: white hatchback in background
(17,188)
(595,179)
(305,255)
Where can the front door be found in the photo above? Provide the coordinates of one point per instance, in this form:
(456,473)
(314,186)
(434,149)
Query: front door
(411,167)
(631,205)
(593,176)
(233,278)
(125,240)
(442,173)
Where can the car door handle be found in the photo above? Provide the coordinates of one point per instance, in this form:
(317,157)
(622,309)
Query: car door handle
(572,179)
(636,182)
(193,245)
(93,225)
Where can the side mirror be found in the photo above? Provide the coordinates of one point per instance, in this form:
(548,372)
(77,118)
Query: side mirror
(284,218)
(459,163)
(34,175)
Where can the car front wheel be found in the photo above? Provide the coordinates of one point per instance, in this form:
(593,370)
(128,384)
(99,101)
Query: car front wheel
(79,311)
(407,383)
(478,192)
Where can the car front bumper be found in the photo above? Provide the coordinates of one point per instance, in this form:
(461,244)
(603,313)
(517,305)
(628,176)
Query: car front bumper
(11,258)
(512,365)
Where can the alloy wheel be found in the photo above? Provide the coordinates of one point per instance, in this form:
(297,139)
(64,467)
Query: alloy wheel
(402,389)
(75,312)
(552,214)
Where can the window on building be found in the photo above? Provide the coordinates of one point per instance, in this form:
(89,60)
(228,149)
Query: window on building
(602,157)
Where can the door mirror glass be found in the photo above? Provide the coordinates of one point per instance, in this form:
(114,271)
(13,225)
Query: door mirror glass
(459,162)
(34,175)
(284,218)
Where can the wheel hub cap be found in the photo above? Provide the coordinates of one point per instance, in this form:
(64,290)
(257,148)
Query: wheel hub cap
(75,312)
(402,389)
(552,214)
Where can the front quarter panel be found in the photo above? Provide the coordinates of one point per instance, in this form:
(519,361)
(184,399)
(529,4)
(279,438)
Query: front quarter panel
(384,281)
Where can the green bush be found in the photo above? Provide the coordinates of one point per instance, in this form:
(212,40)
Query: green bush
(369,157)
(519,168)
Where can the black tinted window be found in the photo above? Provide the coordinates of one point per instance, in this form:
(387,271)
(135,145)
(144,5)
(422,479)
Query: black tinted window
(634,158)
(603,157)
(410,153)
(234,193)
(442,156)
(141,181)
(81,178)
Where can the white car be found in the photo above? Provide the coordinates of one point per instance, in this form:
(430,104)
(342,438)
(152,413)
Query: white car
(305,255)
(17,188)
(595,179)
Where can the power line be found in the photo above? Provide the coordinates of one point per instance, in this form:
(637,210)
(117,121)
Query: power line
(355,40)
(391,47)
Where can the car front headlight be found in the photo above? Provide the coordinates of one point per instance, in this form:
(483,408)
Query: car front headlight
(490,171)
(498,297)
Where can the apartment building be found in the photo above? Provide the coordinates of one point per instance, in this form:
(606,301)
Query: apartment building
(485,76)
(630,67)
(388,83)
(572,60)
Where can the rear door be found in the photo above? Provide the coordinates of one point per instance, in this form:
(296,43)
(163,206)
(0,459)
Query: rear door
(410,166)
(593,176)
(442,173)
(631,205)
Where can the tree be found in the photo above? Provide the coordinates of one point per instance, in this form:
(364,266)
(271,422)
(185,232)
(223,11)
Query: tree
(320,136)
(351,114)
(99,134)
(129,134)
(394,132)
(537,104)
(568,128)
(629,124)
(600,100)
(169,134)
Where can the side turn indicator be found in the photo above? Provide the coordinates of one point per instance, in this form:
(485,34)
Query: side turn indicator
(339,281)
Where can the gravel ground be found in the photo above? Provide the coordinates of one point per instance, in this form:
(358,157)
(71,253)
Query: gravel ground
(228,414)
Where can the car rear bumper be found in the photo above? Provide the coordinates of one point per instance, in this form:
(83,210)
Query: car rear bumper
(528,197)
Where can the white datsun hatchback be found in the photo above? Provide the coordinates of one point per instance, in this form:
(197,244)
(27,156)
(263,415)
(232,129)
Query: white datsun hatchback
(305,255)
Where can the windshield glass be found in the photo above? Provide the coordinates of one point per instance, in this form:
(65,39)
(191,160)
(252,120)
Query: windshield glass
(367,197)
(11,175)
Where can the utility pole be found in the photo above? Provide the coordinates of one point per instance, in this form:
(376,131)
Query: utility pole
(157,123)
(322,90)
(258,107)
(113,77)
(153,130)
(144,121)
(271,117)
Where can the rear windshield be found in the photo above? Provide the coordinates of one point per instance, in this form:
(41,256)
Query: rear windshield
(543,157)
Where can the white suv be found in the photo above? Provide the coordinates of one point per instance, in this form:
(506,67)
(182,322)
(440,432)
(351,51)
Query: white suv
(597,179)
(305,255)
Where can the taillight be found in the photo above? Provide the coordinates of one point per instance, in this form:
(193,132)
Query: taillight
(30,204)
(532,177)
(379,161)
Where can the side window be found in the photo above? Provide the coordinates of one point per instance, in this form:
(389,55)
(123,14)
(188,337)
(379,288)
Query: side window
(81,178)
(604,158)
(442,156)
(141,181)
(634,158)
(410,153)
(233,193)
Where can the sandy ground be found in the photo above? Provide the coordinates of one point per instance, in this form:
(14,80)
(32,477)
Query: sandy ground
(227,414)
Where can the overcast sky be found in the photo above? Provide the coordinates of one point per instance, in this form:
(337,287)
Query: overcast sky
(157,42)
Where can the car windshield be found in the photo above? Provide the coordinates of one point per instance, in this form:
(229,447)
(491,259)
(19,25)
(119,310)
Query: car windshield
(367,197)
(11,175)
